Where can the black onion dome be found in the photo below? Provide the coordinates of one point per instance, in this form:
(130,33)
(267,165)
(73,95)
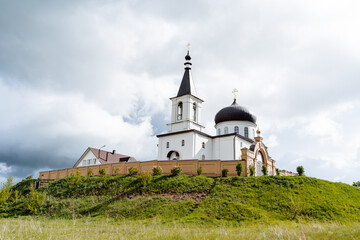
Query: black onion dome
(234,112)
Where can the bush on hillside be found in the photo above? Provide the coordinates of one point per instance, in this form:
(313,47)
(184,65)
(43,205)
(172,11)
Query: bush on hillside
(116,171)
(199,171)
(133,171)
(35,201)
(356,184)
(300,170)
(102,171)
(239,169)
(90,172)
(277,171)
(145,179)
(176,171)
(224,172)
(157,171)
(251,170)
(264,170)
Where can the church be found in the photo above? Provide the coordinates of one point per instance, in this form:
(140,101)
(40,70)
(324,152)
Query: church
(236,135)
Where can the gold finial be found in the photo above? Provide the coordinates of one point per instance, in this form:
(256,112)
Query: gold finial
(188,46)
(258,131)
(234,92)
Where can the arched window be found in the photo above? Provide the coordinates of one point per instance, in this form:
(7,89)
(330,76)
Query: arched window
(246,132)
(219,131)
(194,111)
(179,111)
(226,130)
(182,142)
(167,144)
(203,157)
(236,129)
(203,144)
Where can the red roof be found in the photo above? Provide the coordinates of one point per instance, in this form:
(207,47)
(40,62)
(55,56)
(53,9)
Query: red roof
(110,157)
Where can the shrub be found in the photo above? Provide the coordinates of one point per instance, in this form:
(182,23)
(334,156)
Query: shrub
(35,201)
(224,172)
(199,171)
(356,184)
(133,171)
(300,170)
(102,171)
(116,171)
(157,171)
(90,172)
(264,170)
(252,170)
(239,169)
(277,171)
(145,179)
(6,191)
(176,171)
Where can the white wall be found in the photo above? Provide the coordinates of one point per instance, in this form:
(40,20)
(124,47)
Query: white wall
(89,156)
(240,124)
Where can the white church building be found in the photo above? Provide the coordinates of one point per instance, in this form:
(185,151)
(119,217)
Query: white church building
(236,135)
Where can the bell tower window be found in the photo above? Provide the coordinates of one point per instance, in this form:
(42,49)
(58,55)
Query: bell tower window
(194,112)
(179,111)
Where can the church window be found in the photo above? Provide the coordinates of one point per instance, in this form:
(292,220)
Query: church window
(219,131)
(182,142)
(167,144)
(236,129)
(203,144)
(194,110)
(203,157)
(226,130)
(179,111)
(246,132)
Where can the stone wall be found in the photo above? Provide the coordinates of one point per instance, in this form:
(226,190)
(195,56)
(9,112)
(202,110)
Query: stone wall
(209,167)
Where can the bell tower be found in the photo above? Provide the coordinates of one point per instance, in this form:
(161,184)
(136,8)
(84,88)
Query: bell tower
(186,106)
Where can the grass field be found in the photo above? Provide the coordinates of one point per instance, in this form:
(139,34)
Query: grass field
(100,228)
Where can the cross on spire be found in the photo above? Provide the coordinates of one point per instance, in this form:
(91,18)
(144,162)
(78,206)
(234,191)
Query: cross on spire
(234,92)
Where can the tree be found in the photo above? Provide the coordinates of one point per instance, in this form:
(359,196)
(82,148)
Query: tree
(300,170)
(251,170)
(356,184)
(157,171)
(239,169)
(224,172)
(176,171)
(199,171)
(264,170)
(277,171)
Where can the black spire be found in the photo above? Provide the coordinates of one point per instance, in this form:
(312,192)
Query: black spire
(187,84)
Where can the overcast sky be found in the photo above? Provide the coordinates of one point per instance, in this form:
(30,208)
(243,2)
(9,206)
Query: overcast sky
(75,74)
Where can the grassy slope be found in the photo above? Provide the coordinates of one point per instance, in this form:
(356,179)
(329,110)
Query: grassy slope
(233,199)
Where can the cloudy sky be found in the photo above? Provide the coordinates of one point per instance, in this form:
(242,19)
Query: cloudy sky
(75,74)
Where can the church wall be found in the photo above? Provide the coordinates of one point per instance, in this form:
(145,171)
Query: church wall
(199,150)
(240,124)
(186,152)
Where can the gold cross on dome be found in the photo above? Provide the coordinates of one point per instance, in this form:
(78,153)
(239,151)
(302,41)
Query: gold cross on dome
(188,46)
(234,92)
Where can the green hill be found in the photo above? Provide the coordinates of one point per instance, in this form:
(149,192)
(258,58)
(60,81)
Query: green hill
(200,198)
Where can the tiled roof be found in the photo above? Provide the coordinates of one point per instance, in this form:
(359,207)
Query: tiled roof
(111,157)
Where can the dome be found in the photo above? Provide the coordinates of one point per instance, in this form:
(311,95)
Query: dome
(234,112)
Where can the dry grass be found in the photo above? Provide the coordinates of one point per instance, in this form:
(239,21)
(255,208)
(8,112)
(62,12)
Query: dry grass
(31,228)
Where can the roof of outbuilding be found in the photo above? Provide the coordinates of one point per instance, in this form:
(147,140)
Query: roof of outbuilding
(110,157)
